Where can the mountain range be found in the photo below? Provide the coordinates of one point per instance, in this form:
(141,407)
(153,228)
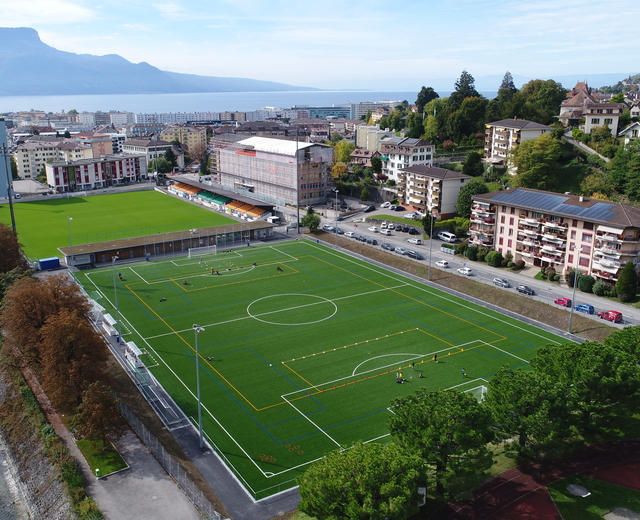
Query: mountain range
(29,67)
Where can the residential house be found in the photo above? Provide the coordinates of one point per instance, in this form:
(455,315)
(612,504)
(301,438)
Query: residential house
(34,152)
(188,136)
(399,153)
(546,229)
(433,190)
(602,114)
(631,132)
(502,136)
(152,149)
(363,157)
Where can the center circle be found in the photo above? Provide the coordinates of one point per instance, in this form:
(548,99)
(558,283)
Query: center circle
(269,307)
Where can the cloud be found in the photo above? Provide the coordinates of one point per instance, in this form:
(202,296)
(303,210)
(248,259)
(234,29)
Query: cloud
(137,27)
(44,12)
(171,11)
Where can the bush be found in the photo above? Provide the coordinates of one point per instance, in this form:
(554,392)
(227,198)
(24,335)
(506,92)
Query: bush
(556,278)
(482,254)
(543,273)
(550,272)
(586,282)
(511,265)
(520,264)
(494,258)
(599,288)
(461,248)
(472,253)
(570,277)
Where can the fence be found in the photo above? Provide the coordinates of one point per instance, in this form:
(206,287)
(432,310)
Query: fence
(170,465)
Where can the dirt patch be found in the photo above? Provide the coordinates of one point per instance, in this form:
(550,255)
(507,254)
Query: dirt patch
(539,311)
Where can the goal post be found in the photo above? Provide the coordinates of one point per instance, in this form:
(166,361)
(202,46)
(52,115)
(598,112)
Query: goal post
(202,251)
(479,392)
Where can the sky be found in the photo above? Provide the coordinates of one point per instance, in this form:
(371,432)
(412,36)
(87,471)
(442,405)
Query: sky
(345,44)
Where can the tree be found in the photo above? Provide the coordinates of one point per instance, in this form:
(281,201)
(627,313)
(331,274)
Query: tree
(528,408)
(160,165)
(625,340)
(8,278)
(618,98)
(367,118)
(450,431)
(475,186)
(464,88)
(507,83)
(376,164)
(10,252)
(425,95)
(342,151)
(494,258)
(14,168)
(98,416)
(627,284)
(367,481)
(427,221)
(473,165)
(539,100)
(71,355)
(312,221)
(200,153)
(67,134)
(335,138)
(536,162)
(170,156)
(364,194)
(339,170)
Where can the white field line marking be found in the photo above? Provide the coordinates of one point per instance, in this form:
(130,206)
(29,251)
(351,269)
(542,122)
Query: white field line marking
(139,275)
(312,423)
(283,253)
(234,320)
(378,438)
(505,352)
(467,382)
(443,297)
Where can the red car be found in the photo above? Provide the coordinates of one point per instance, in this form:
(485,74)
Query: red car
(565,302)
(613,316)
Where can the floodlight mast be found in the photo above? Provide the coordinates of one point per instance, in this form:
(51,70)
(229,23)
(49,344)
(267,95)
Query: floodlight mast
(197,330)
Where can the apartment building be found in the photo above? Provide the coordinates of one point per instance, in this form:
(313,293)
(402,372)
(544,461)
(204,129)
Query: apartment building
(261,129)
(431,189)
(601,114)
(100,143)
(370,137)
(32,154)
(399,153)
(152,149)
(188,136)
(548,229)
(502,136)
(101,172)
(272,169)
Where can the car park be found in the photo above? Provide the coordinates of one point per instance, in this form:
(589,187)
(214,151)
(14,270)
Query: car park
(360,238)
(442,263)
(410,215)
(400,250)
(415,241)
(386,246)
(501,282)
(405,229)
(585,307)
(415,254)
(564,302)
(613,316)
(328,228)
(369,209)
(525,289)
(374,229)
(465,271)
(398,227)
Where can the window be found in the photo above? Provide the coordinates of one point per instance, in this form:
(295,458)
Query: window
(511,221)
(509,242)
(570,260)
(586,250)
(608,121)
(584,261)
(587,237)
(588,225)
(573,233)
(500,241)
(575,223)
(595,120)
(501,229)
(513,211)
(502,217)
(510,232)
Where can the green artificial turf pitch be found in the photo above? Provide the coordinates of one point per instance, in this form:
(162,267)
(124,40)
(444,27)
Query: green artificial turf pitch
(43,226)
(298,362)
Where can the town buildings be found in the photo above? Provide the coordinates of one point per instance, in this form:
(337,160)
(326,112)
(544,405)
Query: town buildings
(188,136)
(34,152)
(399,153)
(583,103)
(432,190)
(546,229)
(152,149)
(272,169)
(502,136)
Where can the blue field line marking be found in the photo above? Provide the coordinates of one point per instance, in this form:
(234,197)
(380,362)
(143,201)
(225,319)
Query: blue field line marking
(246,410)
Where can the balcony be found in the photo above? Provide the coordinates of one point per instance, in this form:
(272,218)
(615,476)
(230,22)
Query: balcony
(604,275)
(554,237)
(608,250)
(616,239)
(528,232)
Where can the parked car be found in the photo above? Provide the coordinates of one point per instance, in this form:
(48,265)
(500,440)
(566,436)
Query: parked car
(400,250)
(374,242)
(413,231)
(415,254)
(416,241)
(386,232)
(340,219)
(585,307)
(410,215)
(565,302)
(386,246)
(328,228)
(393,207)
(340,231)
(447,237)
(465,271)
(501,282)
(385,204)
(525,289)
(374,229)
(398,208)
(350,234)
(369,209)
(383,225)
(442,263)
(613,316)
(360,238)
(405,229)
(398,227)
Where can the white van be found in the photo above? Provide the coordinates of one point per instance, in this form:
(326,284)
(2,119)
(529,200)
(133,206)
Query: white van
(447,237)
(386,232)
(350,234)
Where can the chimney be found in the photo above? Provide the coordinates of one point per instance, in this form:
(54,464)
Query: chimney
(581,199)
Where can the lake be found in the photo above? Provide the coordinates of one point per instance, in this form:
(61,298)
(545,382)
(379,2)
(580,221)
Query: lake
(202,102)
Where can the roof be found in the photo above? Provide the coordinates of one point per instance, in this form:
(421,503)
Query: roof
(571,206)
(279,146)
(362,152)
(434,172)
(519,124)
(147,143)
(629,127)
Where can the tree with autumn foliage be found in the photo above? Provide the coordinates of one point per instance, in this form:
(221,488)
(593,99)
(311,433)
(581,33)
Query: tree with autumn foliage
(71,356)
(98,416)
(10,252)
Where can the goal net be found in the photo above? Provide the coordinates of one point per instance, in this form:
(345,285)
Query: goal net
(202,251)
(478,392)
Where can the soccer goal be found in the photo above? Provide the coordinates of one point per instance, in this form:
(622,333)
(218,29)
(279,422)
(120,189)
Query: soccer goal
(478,392)
(202,251)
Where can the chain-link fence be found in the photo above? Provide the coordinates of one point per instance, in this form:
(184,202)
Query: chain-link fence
(171,465)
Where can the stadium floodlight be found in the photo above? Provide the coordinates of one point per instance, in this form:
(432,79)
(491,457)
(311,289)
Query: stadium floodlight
(335,213)
(73,274)
(198,329)
(115,292)
(576,274)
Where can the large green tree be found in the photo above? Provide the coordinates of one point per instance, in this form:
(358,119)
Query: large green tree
(627,284)
(539,101)
(625,170)
(475,186)
(425,95)
(464,88)
(368,481)
(473,165)
(342,151)
(450,431)
(536,162)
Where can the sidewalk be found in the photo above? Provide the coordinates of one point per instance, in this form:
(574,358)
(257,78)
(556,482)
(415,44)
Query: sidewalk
(143,492)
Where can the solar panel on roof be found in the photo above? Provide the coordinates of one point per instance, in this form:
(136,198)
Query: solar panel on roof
(556,204)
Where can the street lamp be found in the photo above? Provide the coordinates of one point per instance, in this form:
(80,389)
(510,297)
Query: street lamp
(430,247)
(335,214)
(115,292)
(576,274)
(198,329)
(73,274)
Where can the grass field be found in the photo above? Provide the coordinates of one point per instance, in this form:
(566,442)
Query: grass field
(43,225)
(301,351)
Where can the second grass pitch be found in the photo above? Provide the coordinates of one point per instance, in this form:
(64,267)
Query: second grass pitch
(303,348)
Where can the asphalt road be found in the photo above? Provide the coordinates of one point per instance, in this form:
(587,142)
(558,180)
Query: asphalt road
(544,291)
